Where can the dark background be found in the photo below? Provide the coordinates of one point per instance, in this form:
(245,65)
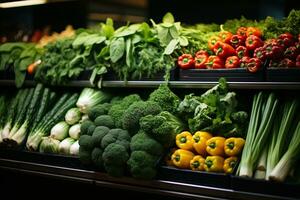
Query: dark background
(86,13)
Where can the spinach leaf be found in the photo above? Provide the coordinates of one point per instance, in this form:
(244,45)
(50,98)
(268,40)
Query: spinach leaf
(171,46)
(117,49)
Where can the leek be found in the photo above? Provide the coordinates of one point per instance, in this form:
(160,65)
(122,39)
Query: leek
(90,97)
(74,149)
(49,145)
(288,160)
(282,137)
(74,131)
(262,116)
(73,116)
(64,146)
(59,131)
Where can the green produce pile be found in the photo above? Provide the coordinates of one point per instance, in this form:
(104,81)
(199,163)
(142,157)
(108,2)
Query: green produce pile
(134,51)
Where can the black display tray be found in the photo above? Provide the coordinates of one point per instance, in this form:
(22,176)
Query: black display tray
(42,158)
(283,74)
(234,75)
(220,180)
(265,187)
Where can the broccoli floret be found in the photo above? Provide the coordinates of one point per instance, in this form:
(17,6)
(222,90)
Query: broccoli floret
(119,107)
(91,129)
(143,142)
(114,170)
(85,126)
(115,157)
(116,113)
(240,117)
(142,165)
(98,134)
(137,110)
(96,157)
(98,110)
(162,127)
(87,142)
(167,100)
(130,99)
(104,120)
(118,136)
(85,155)
(115,154)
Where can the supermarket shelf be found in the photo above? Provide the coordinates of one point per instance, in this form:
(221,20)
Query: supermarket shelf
(174,84)
(161,187)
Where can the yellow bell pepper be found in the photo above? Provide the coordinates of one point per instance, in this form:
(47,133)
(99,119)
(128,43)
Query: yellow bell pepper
(214,164)
(215,146)
(233,146)
(197,163)
(200,138)
(184,140)
(181,158)
(168,159)
(229,164)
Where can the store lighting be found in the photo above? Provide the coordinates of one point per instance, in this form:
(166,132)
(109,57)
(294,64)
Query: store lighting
(13,4)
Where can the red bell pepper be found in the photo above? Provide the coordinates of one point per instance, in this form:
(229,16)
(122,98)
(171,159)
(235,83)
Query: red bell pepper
(253,31)
(214,62)
(253,42)
(224,50)
(242,31)
(260,53)
(244,61)
(274,51)
(237,40)
(200,60)
(185,61)
(201,52)
(253,65)
(212,42)
(242,51)
(273,63)
(298,61)
(225,36)
(232,62)
(287,39)
(287,63)
(291,52)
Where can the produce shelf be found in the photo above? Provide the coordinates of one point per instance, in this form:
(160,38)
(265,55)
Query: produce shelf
(174,84)
(161,186)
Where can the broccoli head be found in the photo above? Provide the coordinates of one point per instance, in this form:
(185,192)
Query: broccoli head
(91,129)
(164,97)
(96,157)
(85,155)
(143,142)
(115,157)
(162,127)
(115,154)
(114,170)
(87,142)
(142,165)
(130,99)
(98,134)
(104,120)
(119,107)
(136,111)
(118,136)
(101,109)
(116,113)
(85,126)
